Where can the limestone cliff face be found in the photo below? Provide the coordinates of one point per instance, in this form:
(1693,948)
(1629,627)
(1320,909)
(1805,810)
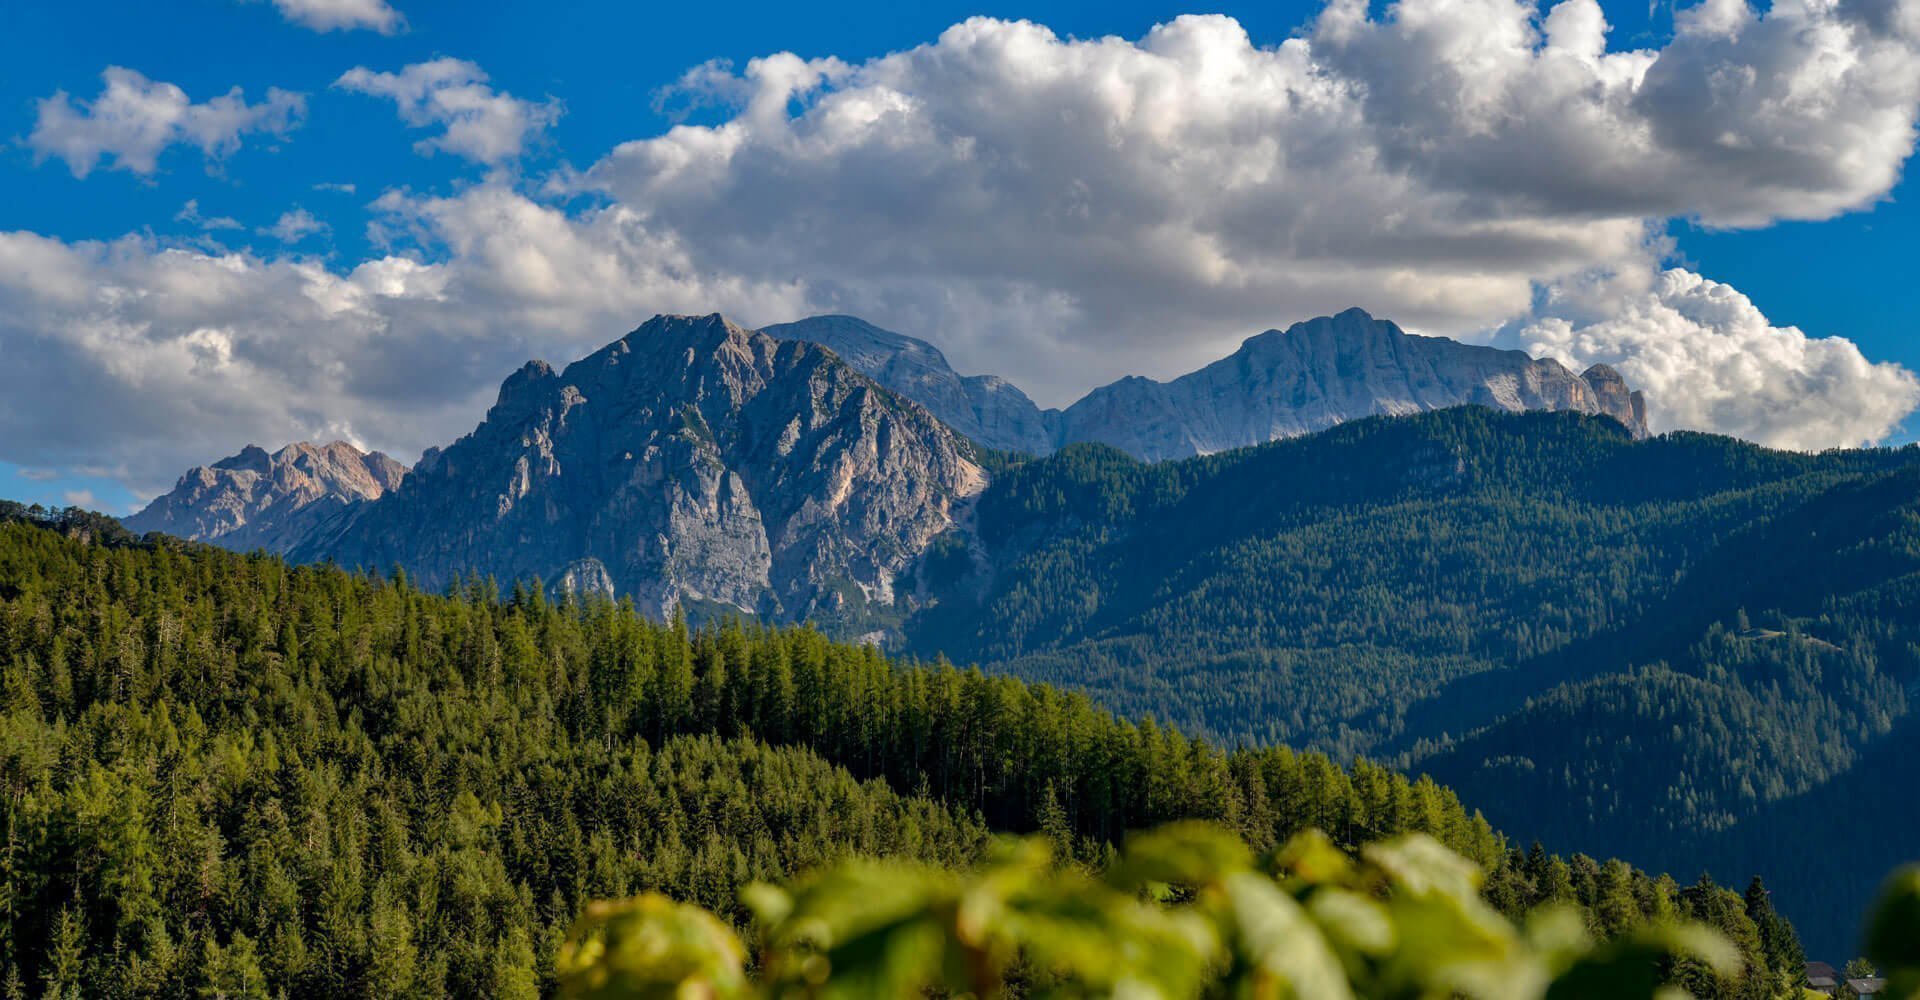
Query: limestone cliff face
(689,461)
(270,501)
(1277,385)
(696,463)
(1325,371)
(986,408)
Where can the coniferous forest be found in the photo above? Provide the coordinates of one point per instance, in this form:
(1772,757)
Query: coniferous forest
(221,775)
(1691,652)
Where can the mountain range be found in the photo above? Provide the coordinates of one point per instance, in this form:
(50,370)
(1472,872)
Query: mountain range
(690,462)
(1673,649)
(1690,651)
(1279,384)
(664,466)
(256,500)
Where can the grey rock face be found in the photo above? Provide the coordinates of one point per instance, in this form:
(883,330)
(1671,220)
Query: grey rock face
(271,501)
(689,461)
(695,463)
(1325,371)
(1278,384)
(986,408)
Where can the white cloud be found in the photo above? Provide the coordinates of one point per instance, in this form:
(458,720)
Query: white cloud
(334,187)
(184,355)
(80,498)
(342,15)
(1062,212)
(190,214)
(295,225)
(1067,211)
(1707,358)
(135,119)
(478,122)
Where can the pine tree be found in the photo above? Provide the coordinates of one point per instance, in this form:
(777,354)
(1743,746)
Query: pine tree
(65,967)
(1777,937)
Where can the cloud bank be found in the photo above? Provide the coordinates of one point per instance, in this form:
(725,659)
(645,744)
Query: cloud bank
(1059,211)
(135,119)
(1160,199)
(182,355)
(1707,358)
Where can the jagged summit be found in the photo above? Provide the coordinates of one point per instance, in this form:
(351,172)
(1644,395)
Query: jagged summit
(798,472)
(986,408)
(253,499)
(1279,383)
(251,458)
(691,460)
(1321,372)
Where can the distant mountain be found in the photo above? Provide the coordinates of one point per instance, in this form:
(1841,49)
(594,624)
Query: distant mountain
(1326,371)
(986,408)
(1279,384)
(1497,596)
(1690,651)
(689,462)
(269,501)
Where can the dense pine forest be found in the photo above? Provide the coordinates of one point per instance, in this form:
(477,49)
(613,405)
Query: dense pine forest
(222,775)
(1637,646)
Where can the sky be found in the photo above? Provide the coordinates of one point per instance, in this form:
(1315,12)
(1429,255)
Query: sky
(232,222)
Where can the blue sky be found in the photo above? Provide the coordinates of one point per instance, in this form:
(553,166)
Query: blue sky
(1825,252)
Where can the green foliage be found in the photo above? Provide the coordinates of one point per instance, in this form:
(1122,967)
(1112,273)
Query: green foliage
(1310,591)
(1893,933)
(1185,912)
(651,947)
(223,775)
(1665,650)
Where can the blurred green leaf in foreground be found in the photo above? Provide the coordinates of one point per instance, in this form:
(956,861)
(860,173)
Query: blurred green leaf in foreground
(1184,911)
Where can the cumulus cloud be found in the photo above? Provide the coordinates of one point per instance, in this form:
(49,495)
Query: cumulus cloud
(184,355)
(1058,211)
(295,225)
(1743,118)
(1707,358)
(342,15)
(1069,210)
(477,122)
(134,120)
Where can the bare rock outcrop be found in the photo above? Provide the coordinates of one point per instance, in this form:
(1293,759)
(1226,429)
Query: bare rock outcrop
(256,500)
(689,462)
(1326,371)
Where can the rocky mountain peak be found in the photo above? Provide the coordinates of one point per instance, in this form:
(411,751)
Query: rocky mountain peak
(1320,372)
(526,379)
(251,458)
(711,335)
(254,499)
(984,408)
(692,461)
(798,472)
(1280,383)
(1612,396)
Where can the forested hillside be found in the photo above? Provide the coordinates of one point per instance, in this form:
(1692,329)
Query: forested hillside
(1647,640)
(1774,703)
(221,775)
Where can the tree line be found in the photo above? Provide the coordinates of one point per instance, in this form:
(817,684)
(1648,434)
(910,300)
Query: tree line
(224,775)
